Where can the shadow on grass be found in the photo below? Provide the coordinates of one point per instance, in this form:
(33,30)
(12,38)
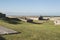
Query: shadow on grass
(1,38)
(12,20)
(12,33)
(35,23)
(31,21)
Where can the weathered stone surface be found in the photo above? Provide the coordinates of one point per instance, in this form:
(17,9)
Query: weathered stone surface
(4,30)
(57,22)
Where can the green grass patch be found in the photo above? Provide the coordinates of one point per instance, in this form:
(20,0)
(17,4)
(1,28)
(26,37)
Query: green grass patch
(29,31)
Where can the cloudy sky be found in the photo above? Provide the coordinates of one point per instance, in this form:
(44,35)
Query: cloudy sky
(30,7)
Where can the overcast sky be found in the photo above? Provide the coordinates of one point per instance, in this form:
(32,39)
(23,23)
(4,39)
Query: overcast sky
(30,7)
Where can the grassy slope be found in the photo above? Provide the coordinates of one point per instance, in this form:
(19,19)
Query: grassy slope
(46,31)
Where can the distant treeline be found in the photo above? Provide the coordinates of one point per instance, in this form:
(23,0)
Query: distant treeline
(51,16)
(34,16)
